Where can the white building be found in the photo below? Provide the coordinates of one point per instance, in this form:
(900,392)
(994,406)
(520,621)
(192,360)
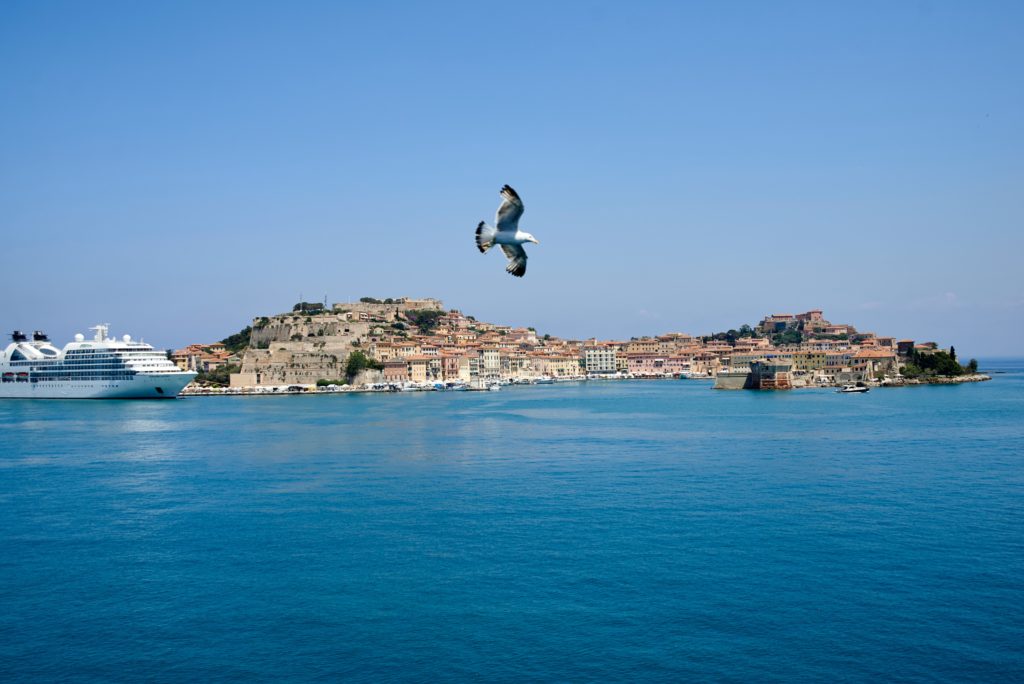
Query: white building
(600,360)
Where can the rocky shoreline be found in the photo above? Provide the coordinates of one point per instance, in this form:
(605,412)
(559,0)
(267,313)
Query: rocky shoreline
(942,380)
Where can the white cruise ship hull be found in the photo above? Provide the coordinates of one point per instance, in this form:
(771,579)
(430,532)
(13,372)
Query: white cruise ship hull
(100,368)
(142,386)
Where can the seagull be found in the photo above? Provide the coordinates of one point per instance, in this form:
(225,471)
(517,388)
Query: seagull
(507,233)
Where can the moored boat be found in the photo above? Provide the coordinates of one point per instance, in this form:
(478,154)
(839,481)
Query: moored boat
(101,368)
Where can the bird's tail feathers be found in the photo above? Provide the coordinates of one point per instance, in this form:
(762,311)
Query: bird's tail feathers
(485,237)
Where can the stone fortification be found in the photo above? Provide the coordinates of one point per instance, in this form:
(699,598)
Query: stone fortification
(301,348)
(395,306)
(333,328)
(288,365)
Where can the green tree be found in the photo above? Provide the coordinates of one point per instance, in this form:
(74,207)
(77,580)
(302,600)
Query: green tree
(791,336)
(218,377)
(358,361)
(424,319)
(239,341)
(936,363)
(912,371)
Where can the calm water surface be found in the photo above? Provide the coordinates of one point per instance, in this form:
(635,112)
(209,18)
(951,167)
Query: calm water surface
(655,531)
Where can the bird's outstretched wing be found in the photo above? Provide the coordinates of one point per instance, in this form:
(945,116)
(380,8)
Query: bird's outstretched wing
(510,210)
(516,259)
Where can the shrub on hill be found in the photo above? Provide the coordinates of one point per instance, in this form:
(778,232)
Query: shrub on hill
(358,361)
(791,336)
(239,341)
(731,335)
(218,377)
(424,319)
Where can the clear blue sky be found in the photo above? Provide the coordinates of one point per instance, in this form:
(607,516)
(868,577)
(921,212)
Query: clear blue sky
(177,168)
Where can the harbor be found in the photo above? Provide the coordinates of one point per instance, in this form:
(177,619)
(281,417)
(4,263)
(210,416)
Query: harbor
(418,344)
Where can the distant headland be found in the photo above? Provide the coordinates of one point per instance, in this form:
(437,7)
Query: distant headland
(404,342)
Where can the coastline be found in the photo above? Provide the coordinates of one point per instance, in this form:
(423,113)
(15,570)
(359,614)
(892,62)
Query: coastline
(304,390)
(954,380)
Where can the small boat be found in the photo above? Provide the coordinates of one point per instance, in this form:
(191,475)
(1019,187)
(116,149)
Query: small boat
(450,386)
(853,389)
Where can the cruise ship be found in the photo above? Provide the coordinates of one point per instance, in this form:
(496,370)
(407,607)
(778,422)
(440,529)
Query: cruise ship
(101,368)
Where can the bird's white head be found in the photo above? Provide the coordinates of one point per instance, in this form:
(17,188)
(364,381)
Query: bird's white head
(530,238)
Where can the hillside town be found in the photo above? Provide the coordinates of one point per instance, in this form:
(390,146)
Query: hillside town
(417,343)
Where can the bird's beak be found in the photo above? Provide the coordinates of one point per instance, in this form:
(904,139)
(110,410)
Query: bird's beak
(536,241)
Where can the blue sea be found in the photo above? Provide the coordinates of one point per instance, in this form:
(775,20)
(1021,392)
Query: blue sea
(639,530)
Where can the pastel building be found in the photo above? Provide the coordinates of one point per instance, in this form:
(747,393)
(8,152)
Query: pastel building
(557,365)
(455,367)
(874,362)
(396,371)
(645,365)
(490,362)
